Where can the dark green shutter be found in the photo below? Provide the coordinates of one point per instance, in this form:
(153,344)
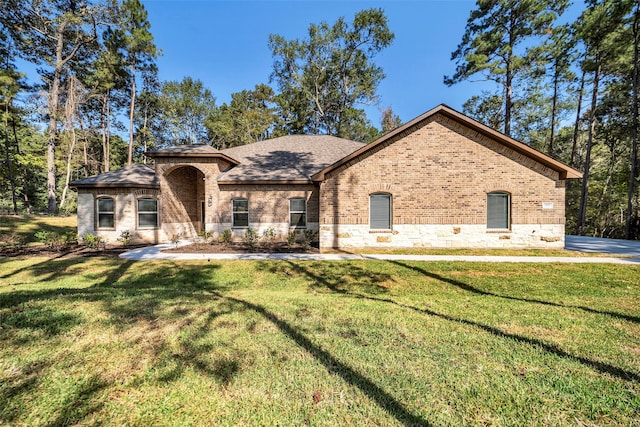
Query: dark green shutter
(380,205)
(498,210)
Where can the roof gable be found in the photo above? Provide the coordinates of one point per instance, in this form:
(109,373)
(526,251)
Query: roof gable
(563,170)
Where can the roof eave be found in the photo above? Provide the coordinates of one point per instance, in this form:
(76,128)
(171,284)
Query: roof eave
(115,185)
(266,182)
(154,154)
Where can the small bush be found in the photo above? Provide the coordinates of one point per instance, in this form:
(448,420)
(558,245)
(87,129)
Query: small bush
(308,236)
(250,238)
(175,239)
(205,235)
(269,235)
(51,239)
(91,240)
(125,238)
(70,238)
(43,236)
(226,237)
(291,238)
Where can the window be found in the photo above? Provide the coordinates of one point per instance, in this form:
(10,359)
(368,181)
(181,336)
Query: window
(380,211)
(147,213)
(297,212)
(499,211)
(240,213)
(106,209)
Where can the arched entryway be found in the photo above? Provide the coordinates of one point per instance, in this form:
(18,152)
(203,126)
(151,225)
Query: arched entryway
(183,199)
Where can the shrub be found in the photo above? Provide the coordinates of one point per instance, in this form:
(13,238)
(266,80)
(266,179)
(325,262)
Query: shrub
(91,240)
(125,238)
(205,235)
(175,239)
(308,236)
(51,239)
(70,238)
(250,238)
(43,236)
(269,235)
(291,238)
(226,237)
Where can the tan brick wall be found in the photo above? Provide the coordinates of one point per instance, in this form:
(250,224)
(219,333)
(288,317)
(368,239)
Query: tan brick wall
(126,217)
(440,173)
(268,205)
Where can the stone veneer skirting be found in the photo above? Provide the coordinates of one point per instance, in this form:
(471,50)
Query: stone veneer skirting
(548,236)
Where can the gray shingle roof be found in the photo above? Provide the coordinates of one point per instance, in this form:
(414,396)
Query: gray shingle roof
(138,175)
(186,149)
(288,158)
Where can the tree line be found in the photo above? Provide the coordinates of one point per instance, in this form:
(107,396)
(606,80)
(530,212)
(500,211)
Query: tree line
(569,89)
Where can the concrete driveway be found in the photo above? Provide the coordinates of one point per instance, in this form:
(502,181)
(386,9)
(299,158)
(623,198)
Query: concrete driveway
(607,246)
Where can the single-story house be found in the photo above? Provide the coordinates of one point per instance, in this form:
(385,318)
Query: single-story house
(440,180)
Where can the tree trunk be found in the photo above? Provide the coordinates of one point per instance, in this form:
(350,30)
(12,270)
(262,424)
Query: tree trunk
(53,125)
(85,154)
(554,106)
(25,194)
(131,110)
(8,158)
(105,132)
(582,213)
(145,134)
(68,175)
(576,126)
(508,99)
(634,131)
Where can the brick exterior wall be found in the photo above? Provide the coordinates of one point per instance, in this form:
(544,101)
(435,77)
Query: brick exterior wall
(439,174)
(126,217)
(268,206)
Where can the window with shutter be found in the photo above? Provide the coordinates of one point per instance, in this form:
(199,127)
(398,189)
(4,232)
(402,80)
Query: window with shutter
(380,211)
(499,211)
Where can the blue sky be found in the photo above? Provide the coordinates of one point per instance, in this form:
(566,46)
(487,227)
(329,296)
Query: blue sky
(224,44)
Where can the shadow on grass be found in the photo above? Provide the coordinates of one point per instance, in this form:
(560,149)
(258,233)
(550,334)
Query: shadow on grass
(601,367)
(24,227)
(79,404)
(347,373)
(128,298)
(340,277)
(470,288)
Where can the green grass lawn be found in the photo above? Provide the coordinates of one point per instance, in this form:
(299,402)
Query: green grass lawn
(105,341)
(23,228)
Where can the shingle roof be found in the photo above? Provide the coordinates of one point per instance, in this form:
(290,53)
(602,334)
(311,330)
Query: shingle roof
(138,176)
(192,150)
(293,158)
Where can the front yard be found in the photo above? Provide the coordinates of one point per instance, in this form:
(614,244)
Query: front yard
(98,340)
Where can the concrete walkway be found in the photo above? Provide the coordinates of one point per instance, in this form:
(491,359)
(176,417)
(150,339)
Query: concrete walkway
(628,250)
